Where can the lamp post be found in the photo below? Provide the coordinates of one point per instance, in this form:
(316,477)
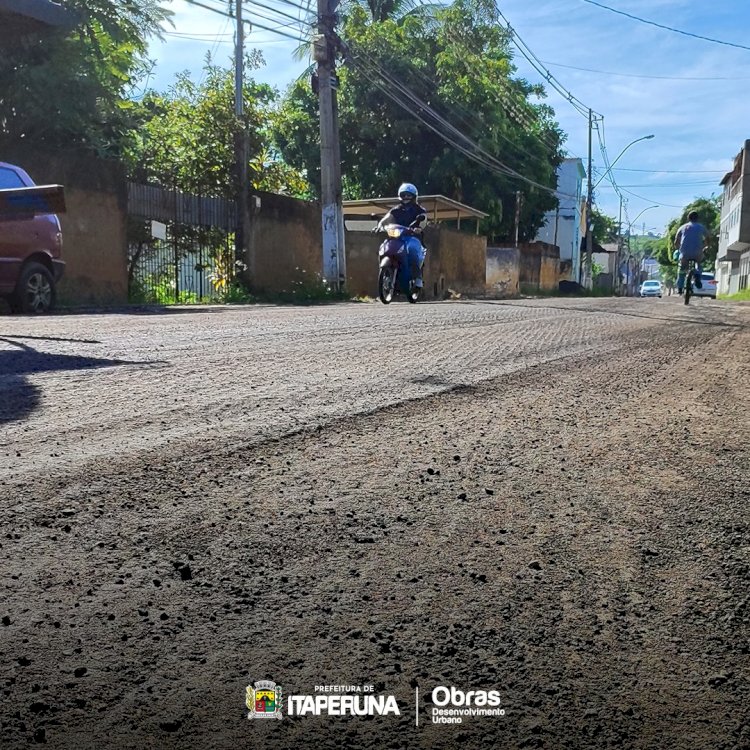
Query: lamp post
(617,158)
(589,200)
(629,285)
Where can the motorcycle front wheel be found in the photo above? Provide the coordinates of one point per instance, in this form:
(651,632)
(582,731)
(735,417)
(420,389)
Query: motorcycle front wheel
(386,284)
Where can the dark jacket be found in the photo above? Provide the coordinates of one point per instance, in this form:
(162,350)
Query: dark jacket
(409,215)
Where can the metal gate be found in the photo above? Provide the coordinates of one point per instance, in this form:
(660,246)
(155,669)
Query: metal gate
(181,247)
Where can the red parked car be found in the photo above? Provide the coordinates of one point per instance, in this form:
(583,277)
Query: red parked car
(30,252)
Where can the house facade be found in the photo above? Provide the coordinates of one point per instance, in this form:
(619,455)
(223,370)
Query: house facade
(733,257)
(563,226)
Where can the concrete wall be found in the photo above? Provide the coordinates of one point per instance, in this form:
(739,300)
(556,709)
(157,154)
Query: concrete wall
(502,272)
(94,226)
(455,261)
(285,244)
(539,265)
(286,248)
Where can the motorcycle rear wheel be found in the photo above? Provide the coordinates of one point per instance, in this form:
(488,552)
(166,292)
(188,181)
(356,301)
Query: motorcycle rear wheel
(386,284)
(413,295)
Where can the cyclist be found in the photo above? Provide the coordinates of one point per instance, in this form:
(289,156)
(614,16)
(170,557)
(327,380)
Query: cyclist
(689,242)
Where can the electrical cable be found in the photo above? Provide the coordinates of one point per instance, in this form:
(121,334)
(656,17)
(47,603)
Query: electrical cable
(672,171)
(468,118)
(642,75)
(536,63)
(668,28)
(460,141)
(256,25)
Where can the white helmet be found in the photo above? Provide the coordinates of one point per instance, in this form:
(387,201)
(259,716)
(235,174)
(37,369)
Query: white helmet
(407,189)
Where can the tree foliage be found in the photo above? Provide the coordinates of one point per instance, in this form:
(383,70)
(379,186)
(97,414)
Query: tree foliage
(70,88)
(709,214)
(606,229)
(459,62)
(186,136)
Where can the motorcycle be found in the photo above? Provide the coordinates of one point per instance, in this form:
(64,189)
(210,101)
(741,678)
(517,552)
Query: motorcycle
(395,274)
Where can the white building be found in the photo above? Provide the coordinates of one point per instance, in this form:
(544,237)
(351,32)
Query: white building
(563,226)
(733,258)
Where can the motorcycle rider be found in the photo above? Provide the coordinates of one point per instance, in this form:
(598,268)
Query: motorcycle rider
(408,213)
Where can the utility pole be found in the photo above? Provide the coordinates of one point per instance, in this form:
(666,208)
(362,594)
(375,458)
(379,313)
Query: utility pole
(240,137)
(589,207)
(519,199)
(618,278)
(334,259)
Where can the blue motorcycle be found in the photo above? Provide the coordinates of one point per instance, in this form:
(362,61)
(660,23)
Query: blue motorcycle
(395,274)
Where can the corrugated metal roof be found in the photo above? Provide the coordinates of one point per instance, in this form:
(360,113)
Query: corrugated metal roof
(439,208)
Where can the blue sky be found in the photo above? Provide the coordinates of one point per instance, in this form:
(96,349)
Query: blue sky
(689,93)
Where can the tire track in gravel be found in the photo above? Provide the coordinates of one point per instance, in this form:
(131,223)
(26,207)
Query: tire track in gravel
(375,568)
(204,376)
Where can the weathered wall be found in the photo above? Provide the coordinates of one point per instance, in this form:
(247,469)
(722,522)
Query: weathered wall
(455,261)
(539,265)
(285,243)
(502,272)
(94,225)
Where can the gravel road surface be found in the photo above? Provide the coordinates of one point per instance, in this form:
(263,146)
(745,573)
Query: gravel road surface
(547,498)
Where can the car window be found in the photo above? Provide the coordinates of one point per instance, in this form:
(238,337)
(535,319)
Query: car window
(707,276)
(9,179)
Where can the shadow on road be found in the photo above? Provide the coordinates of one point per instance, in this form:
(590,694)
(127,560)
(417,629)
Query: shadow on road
(18,397)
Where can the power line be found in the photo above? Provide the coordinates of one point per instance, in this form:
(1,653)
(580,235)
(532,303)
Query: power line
(672,171)
(515,109)
(668,28)
(255,25)
(536,63)
(372,71)
(651,200)
(668,187)
(643,75)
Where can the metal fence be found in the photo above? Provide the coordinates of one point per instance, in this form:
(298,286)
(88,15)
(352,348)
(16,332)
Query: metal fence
(181,248)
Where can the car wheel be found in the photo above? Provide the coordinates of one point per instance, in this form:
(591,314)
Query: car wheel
(35,292)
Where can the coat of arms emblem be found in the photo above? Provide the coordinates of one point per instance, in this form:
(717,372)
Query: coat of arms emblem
(264,700)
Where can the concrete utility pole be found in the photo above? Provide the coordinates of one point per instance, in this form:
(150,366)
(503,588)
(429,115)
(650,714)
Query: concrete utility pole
(618,277)
(240,137)
(519,199)
(334,259)
(587,281)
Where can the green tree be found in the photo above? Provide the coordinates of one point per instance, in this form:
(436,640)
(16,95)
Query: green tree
(71,89)
(186,136)
(459,63)
(709,214)
(605,227)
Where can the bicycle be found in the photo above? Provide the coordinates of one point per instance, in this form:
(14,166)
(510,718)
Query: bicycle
(691,265)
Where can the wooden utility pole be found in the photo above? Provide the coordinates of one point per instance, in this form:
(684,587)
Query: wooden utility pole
(587,281)
(334,259)
(618,278)
(240,138)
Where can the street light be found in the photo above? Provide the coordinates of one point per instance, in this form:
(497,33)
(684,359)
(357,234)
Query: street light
(648,208)
(591,189)
(617,158)
(630,255)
